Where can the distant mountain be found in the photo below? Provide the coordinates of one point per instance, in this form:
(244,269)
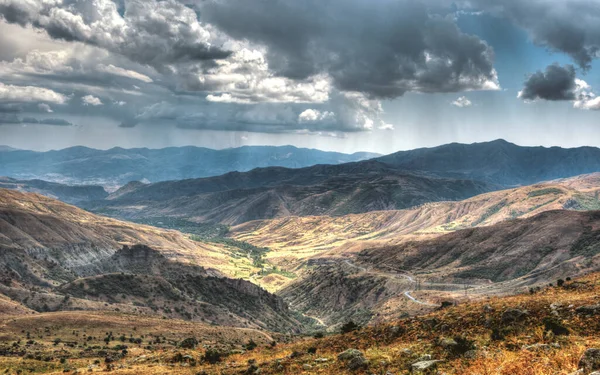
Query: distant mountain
(118,166)
(4,148)
(65,193)
(265,193)
(498,162)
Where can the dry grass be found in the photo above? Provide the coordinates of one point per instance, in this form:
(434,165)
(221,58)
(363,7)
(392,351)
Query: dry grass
(294,240)
(388,347)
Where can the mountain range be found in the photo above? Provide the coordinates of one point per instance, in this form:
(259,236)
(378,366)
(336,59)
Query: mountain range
(355,230)
(401,180)
(118,166)
(498,162)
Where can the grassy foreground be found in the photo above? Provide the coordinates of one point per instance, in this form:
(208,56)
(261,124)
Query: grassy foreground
(544,332)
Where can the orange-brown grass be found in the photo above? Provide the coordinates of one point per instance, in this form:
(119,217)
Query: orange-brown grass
(385,345)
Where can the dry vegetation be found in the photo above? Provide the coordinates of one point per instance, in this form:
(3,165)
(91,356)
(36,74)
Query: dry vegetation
(542,333)
(293,241)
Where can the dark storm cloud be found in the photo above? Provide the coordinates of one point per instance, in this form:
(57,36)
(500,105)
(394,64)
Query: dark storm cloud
(555,83)
(383,48)
(46,121)
(11,118)
(571,27)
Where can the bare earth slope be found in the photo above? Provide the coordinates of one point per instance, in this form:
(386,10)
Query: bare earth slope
(304,237)
(501,259)
(56,257)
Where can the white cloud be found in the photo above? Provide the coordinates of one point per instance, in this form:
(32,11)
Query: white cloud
(115,70)
(462,102)
(313,115)
(589,102)
(91,100)
(586,98)
(45,108)
(245,78)
(28,94)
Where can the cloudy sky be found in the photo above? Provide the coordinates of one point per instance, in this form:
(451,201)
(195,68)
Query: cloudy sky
(346,75)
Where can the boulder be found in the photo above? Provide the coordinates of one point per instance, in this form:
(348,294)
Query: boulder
(349,354)
(424,367)
(513,315)
(588,310)
(537,347)
(357,363)
(354,359)
(590,361)
(448,343)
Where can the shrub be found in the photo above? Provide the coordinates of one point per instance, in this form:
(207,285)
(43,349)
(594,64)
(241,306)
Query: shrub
(350,327)
(251,345)
(213,356)
(189,343)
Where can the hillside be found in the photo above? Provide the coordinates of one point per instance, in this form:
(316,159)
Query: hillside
(277,192)
(500,259)
(552,331)
(498,162)
(66,193)
(306,236)
(57,257)
(542,247)
(118,166)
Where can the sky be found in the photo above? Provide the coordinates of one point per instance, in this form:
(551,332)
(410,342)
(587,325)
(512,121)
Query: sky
(340,75)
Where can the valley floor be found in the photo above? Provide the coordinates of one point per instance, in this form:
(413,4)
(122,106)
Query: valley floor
(545,332)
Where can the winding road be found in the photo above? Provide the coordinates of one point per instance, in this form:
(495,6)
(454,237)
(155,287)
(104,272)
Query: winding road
(394,276)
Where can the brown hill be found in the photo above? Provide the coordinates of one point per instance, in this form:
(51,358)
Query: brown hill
(58,257)
(305,237)
(500,259)
(544,247)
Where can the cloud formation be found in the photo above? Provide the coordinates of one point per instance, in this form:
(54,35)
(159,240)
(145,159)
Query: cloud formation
(559,83)
(462,102)
(28,94)
(91,100)
(272,66)
(411,49)
(555,83)
(12,118)
(150,31)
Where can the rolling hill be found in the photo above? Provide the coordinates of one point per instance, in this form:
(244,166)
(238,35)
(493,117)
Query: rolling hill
(267,193)
(66,193)
(303,237)
(118,166)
